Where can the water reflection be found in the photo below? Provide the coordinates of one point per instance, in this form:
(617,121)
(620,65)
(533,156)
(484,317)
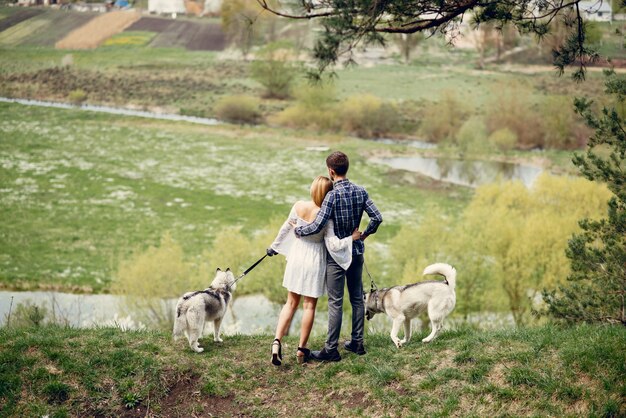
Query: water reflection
(252,314)
(463,172)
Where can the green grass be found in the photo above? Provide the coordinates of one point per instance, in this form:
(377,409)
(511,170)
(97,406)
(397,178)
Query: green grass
(612,43)
(81,191)
(548,371)
(426,79)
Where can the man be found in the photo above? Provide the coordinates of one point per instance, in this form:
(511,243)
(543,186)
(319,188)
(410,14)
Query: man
(345,205)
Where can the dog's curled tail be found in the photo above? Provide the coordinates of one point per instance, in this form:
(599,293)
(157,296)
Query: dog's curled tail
(180,322)
(445,270)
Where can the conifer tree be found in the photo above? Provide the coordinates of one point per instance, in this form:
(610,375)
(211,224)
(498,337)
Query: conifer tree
(596,288)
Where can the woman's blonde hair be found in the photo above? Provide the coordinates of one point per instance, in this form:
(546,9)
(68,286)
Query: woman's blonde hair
(319,188)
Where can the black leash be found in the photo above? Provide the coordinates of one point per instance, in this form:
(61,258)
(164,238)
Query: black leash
(249,270)
(230,285)
(373,286)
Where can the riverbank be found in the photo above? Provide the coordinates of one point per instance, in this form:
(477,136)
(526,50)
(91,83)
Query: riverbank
(548,371)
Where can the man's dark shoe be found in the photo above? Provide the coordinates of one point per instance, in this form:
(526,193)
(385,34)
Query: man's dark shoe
(324,355)
(355,347)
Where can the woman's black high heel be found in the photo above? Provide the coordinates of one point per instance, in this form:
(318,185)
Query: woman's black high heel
(305,358)
(277,352)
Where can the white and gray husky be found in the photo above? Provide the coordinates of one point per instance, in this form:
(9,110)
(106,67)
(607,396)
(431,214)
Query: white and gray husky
(194,308)
(403,303)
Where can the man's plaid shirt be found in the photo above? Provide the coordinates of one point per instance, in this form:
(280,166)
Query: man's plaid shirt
(345,205)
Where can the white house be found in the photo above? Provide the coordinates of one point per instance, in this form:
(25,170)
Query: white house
(166,6)
(597,10)
(212,7)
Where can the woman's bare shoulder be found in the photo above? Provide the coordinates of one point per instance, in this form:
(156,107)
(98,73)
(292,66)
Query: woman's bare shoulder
(300,207)
(306,210)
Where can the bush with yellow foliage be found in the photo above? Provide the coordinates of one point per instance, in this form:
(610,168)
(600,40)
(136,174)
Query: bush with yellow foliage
(507,244)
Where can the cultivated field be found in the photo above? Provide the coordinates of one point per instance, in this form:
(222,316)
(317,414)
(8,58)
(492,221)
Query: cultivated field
(97,30)
(58,25)
(79,30)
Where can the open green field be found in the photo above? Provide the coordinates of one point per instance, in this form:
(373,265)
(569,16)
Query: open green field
(80,190)
(546,371)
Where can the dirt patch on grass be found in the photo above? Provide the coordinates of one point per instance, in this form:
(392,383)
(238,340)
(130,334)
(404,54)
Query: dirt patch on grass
(445,360)
(497,375)
(184,398)
(92,34)
(356,400)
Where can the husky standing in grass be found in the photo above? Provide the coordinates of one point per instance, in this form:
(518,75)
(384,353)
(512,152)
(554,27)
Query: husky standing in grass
(403,303)
(194,308)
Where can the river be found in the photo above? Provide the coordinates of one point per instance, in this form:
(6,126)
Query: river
(248,314)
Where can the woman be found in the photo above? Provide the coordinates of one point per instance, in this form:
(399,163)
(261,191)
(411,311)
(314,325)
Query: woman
(305,273)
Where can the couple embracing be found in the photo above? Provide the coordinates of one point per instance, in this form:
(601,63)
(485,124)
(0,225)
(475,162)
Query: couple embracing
(324,250)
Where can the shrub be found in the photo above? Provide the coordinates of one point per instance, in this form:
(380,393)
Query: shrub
(443,119)
(513,109)
(238,109)
(275,69)
(364,115)
(510,238)
(368,116)
(299,116)
(503,139)
(150,277)
(315,109)
(317,96)
(77,96)
(472,137)
(563,128)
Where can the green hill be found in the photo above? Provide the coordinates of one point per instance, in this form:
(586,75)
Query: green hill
(547,371)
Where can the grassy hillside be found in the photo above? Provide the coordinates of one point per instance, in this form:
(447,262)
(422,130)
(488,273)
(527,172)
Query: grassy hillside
(546,371)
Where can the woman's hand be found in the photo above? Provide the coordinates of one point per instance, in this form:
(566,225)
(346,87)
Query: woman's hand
(356,235)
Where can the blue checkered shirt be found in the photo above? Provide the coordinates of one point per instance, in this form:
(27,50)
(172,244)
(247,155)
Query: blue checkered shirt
(345,205)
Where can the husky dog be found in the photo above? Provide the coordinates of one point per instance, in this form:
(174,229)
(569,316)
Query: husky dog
(194,308)
(403,303)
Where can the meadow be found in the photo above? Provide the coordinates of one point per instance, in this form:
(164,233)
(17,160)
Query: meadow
(96,192)
(147,209)
(82,191)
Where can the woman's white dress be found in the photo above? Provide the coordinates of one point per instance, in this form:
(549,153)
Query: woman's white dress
(305,273)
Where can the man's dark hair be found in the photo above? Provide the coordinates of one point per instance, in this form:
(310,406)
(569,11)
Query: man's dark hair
(338,161)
